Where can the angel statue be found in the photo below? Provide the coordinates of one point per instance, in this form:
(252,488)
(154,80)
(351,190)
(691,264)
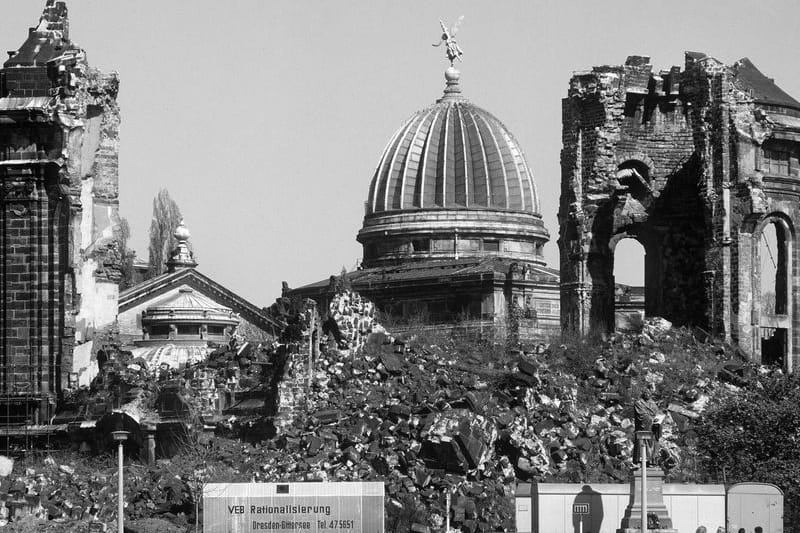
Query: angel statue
(448,38)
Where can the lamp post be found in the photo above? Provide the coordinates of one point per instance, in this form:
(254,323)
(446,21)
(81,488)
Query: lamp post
(120,437)
(644,486)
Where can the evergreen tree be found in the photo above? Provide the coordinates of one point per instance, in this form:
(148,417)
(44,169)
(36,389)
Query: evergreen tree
(128,256)
(166,217)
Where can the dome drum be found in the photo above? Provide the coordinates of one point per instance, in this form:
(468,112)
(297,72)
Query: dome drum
(187,316)
(450,233)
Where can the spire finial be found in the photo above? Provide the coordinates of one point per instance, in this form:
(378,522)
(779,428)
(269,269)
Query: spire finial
(182,256)
(452,74)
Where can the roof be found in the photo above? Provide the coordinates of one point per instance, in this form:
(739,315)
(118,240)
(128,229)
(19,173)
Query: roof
(216,293)
(764,89)
(186,298)
(434,271)
(452,154)
(188,305)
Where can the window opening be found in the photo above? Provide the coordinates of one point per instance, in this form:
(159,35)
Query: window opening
(421,245)
(491,246)
(629,301)
(773,270)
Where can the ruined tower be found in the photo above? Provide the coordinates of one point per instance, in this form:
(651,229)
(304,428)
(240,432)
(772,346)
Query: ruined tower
(700,166)
(60,261)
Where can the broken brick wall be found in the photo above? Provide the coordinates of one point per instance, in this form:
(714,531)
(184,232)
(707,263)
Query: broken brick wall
(343,326)
(58,167)
(672,159)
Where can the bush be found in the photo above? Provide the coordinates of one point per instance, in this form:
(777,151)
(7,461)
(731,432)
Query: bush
(753,436)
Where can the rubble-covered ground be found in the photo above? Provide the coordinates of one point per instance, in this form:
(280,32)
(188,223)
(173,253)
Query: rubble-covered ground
(428,416)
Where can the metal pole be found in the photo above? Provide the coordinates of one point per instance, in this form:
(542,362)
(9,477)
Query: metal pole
(644,485)
(447,525)
(120,527)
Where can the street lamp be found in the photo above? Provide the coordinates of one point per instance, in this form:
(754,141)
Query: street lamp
(120,437)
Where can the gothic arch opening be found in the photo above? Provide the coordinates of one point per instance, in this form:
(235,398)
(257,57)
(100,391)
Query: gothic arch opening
(773,270)
(771,302)
(629,283)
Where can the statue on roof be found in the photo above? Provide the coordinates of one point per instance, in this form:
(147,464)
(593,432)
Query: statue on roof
(448,38)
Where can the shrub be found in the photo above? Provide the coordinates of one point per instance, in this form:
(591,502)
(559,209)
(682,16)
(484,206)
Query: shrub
(753,436)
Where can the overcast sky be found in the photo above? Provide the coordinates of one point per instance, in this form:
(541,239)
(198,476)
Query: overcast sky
(265,119)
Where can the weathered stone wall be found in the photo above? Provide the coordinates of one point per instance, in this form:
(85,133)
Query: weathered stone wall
(673,159)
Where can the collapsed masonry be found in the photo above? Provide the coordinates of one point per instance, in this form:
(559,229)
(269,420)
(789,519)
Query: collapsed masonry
(60,265)
(429,418)
(699,166)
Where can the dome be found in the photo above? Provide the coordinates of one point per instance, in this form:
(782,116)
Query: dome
(452,154)
(177,356)
(188,306)
(452,181)
(187,317)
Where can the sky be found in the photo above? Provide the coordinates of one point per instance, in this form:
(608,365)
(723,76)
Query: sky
(265,119)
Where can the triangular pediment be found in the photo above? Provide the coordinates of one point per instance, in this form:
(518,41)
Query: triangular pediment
(163,289)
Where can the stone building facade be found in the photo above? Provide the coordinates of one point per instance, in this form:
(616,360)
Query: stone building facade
(696,164)
(60,263)
(181,316)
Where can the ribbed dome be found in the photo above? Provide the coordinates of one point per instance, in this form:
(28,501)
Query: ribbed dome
(452,183)
(452,155)
(189,306)
(175,355)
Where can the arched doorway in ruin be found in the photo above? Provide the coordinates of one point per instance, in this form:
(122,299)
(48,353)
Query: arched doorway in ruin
(668,217)
(773,290)
(629,282)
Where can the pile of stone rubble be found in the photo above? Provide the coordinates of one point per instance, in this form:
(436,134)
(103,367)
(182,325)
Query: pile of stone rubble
(470,420)
(437,420)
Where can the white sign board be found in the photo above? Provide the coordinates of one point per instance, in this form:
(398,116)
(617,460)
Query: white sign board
(346,507)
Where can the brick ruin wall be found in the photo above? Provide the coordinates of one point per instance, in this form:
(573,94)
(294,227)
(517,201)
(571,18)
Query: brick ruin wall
(348,322)
(58,223)
(673,160)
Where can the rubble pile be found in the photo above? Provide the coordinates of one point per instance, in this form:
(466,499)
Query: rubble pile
(76,491)
(431,419)
(448,426)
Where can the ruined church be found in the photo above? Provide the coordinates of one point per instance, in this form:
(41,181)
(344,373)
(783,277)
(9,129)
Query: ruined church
(60,262)
(700,165)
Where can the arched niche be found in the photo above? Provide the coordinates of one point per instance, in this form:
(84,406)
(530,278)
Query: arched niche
(772,286)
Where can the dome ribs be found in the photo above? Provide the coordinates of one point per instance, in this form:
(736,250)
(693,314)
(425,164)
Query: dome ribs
(452,154)
(411,175)
(441,161)
(432,164)
(450,159)
(393,181)
(477,156)
(516,196)
(460,173)
(531,183)
(494,162)
(410,158)
(524,174)
(378,187)
(420,194)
